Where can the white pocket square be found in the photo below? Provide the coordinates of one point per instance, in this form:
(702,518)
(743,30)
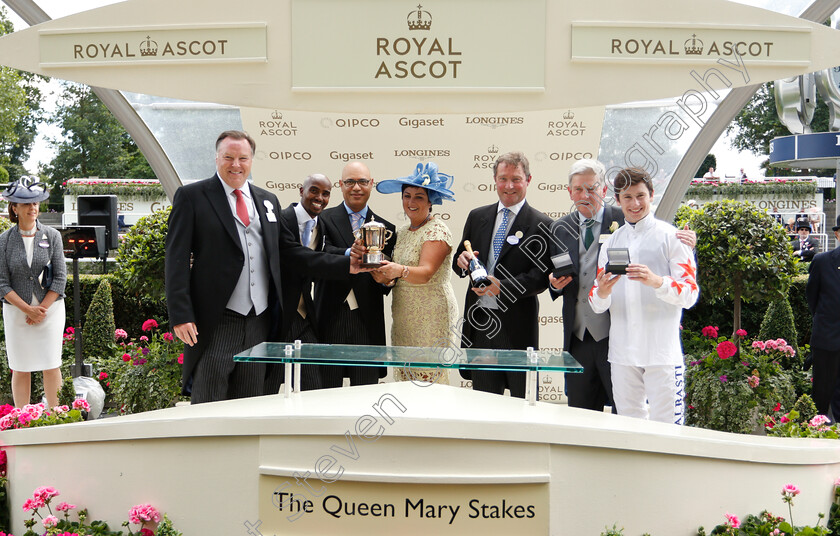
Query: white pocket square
(269,214)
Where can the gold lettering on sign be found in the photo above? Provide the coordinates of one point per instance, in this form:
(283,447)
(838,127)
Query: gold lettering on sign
(417,48)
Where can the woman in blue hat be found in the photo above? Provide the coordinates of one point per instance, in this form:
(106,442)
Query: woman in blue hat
(32,278)
(423,307)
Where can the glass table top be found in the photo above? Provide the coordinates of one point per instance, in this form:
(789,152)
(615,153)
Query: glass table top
(409,356)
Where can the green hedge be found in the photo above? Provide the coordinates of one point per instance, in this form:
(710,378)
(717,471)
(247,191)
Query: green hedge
(130,311)
(734,190)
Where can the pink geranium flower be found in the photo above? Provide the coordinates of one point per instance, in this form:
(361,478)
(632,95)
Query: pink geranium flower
(726,349)
(168,337)
(818,420)
(790,490)
(710,332)
(150,324)
(50,521)
(81,404)
(732,520)
(758,344)
(63,507)
(180,359)
(753,381)
(120,334)
(126,357)
(741,333)
(143,512)
(103,375)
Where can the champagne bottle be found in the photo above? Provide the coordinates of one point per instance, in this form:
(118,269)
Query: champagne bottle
(478,274)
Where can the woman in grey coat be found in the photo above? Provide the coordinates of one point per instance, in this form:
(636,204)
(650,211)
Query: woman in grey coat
(32,279)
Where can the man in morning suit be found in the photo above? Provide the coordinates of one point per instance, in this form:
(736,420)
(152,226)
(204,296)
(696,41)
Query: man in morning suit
(574,244)
(805,246)
(823,293)
(299,320)
(223,252)
(351,311)
(504,315)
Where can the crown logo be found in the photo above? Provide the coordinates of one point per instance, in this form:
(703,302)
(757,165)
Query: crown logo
(148,47)
(419,20)
(548,379)
(493,149)
(569,115)
(696,46)
(277,115)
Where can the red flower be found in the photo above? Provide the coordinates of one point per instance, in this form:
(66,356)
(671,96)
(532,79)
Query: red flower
(146,532)
(181,359)
(103,375)
(150,324)
(778,406)
(726,349)
(710,332)
(126,357)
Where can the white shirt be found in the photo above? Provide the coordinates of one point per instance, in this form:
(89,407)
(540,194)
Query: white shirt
(246,194)
(302,218)
(645,322)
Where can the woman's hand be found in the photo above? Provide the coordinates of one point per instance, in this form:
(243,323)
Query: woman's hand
(36,314)
(380,278)
(390,270)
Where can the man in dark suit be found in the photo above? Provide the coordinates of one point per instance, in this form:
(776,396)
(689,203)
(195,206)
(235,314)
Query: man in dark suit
(575,242)
(504,315)
(223,272)
(805,246)
(823,293)
(299,322)
(351,311)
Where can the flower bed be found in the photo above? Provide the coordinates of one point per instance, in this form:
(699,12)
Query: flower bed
(147,190)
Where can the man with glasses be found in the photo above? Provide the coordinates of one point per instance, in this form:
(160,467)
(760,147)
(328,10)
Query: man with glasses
(351,311)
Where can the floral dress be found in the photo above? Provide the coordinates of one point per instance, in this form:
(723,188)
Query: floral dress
(423,314)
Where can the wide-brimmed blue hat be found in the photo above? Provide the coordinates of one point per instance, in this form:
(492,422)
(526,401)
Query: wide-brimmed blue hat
(426,176)
(25,190)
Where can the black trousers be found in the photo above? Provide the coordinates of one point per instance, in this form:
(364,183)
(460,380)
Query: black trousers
(827,381)
(348,327)
(591,389)
(301,329)
(493,381)
(217,376)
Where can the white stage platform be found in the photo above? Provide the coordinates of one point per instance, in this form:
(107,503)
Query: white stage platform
(404,459)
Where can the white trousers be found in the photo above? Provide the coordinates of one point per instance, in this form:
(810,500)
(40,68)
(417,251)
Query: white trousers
(663,387)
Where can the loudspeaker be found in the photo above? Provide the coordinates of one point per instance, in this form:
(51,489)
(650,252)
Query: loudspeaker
(100,210)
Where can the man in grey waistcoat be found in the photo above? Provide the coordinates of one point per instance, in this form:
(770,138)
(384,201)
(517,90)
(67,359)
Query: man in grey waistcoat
(574,245)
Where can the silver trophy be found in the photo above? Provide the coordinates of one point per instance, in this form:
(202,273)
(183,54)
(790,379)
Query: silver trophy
(374,236)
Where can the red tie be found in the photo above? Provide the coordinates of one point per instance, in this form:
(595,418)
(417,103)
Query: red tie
(241,209)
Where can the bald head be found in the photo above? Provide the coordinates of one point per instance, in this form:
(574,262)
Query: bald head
(356,185)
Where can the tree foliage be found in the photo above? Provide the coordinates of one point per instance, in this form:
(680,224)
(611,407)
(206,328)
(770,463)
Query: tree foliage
(758,123)
(93,142)
(709,161)
(141,257)
(20,102)
(742,253)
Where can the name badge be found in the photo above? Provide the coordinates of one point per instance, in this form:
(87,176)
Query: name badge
(512,240)
(44,243)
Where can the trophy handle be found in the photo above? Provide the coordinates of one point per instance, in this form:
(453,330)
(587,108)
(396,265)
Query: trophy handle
(388,234)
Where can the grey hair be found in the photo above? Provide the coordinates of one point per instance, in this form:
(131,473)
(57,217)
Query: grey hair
(587,165)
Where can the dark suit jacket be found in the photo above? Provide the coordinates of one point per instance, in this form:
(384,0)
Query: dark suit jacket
(298,280)
(808,253)
(202,225)
(823,292)
(527,263)
(329,295)
(564,237)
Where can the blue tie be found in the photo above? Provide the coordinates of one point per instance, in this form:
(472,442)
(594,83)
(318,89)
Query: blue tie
(307,232)
(356,221)
(501,232)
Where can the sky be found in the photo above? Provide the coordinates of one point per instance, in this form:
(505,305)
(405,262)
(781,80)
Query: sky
(729,160)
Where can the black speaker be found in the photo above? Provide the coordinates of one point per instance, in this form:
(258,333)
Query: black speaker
(100,210)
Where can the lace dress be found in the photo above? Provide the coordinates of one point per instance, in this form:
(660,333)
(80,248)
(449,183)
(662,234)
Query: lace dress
(423,314)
